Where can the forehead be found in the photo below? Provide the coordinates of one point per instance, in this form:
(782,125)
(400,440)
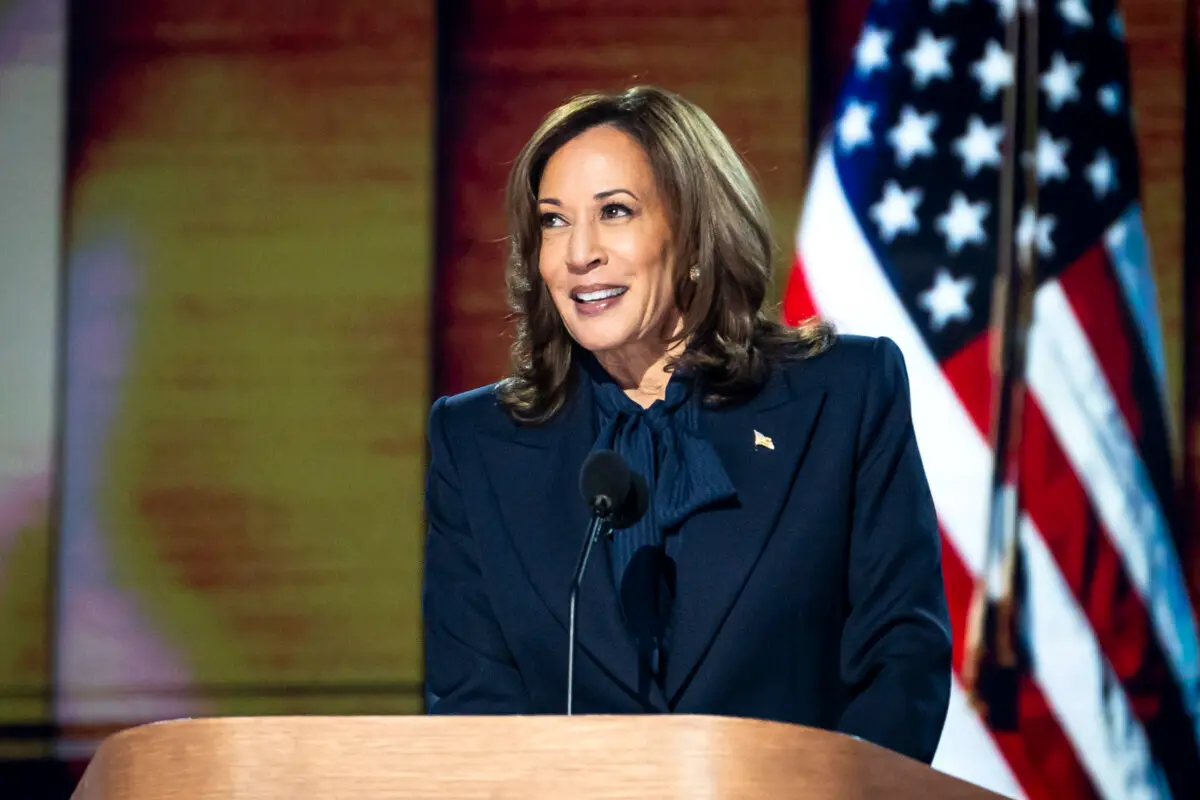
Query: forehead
(596,160)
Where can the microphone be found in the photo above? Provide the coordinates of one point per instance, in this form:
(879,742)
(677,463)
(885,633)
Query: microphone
(617,497)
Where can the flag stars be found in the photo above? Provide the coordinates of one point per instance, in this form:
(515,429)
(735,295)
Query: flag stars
(1075,13)
(929,59)
(1034,231)
(979,147)
(946,300)
(1051,158)
(854,126)
(994,71)
(1005,8)
(1115,236)
(1061,82)
(1102,174)
(896,211)
(871,53)
(913,135)
(1109,98)
(963,223)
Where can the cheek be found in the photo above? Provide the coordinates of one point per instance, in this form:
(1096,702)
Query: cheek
(546,271)
(555,283)
(550,267)
(664,301)
(662,281)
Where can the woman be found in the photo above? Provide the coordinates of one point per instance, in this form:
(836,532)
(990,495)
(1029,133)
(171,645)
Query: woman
(788,567)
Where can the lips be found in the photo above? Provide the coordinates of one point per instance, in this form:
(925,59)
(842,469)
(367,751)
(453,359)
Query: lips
(596,299)
(597,294)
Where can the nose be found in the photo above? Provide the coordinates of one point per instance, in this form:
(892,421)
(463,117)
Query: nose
(584,250)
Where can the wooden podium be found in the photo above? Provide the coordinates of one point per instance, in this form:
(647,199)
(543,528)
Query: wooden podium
(372,758)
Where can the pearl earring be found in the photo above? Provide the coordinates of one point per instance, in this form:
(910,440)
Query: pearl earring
(694,273)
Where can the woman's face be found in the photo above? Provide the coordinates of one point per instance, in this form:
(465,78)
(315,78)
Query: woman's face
(606,243)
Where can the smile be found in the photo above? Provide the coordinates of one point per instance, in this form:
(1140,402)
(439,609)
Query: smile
(598,295)
(594,300)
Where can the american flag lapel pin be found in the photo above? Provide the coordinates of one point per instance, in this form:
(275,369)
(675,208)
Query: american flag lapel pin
(762,440)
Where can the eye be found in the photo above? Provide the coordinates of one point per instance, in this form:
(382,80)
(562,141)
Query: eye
(550,220)
(615,211)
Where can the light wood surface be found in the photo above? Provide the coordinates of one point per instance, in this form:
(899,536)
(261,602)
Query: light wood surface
(500,757)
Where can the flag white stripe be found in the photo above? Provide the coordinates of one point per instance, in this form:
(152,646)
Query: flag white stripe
(1080,407)
(849,287)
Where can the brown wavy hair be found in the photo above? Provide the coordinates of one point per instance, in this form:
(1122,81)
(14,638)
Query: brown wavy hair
(719,224)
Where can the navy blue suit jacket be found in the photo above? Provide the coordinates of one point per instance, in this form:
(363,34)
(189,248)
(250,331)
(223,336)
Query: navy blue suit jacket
(817,598)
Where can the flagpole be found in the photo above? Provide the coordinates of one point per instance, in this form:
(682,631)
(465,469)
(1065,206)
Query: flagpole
(992,661)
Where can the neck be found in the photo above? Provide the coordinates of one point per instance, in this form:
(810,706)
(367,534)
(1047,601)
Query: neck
(641,371)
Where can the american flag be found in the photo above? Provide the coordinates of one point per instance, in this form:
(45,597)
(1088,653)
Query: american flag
(899,238)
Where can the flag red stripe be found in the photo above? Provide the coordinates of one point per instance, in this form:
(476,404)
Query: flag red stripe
(1091,566)
(798,304)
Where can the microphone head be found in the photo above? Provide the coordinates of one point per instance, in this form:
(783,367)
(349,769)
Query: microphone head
(635,505)
(604,482)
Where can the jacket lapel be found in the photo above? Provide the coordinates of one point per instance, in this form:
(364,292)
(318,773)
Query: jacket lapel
(535,474)
(721,545)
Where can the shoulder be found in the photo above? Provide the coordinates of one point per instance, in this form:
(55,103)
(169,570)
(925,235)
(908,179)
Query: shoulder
(477,410)
(454,420)
(852,364)
(453,415)
(475,403)
(864,381)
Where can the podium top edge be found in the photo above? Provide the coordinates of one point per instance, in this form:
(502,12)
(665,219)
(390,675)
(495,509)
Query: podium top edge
(365,723)
(414,740)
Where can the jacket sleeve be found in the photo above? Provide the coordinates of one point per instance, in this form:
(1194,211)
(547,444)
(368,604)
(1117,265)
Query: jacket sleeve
(896,643)
(468,666)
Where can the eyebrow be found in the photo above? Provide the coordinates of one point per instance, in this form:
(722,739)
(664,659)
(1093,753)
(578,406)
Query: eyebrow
(607,193)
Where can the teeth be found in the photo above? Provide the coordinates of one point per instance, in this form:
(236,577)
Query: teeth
(600,294)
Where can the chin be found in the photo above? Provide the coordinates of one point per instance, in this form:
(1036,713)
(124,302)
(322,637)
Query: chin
(600,338)
(601,344)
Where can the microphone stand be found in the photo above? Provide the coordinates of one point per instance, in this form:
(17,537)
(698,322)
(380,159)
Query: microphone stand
(600,523)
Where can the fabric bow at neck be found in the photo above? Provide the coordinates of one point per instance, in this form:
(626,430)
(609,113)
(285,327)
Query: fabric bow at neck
(662,443)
